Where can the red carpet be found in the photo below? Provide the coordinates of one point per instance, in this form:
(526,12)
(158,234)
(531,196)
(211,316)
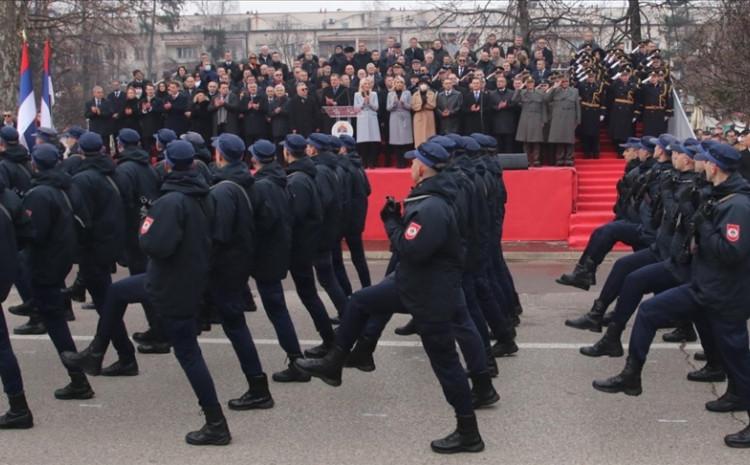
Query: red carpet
(597,193)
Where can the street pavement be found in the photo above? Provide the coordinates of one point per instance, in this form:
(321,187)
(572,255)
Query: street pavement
(548,412)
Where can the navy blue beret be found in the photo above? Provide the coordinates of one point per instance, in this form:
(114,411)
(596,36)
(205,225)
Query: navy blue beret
(230,146)
(470,144)
(180,153)
(724,156)
(295,143)
(128,136)
(348,141)
(263,150)
(431,154)
(165,136)
(74,131)
(90,142)
(9,134)
(446,142)
(335,143)
(45,156)
(319,141)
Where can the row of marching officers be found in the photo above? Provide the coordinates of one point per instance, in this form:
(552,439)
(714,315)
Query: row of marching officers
(683,207)
(194,229)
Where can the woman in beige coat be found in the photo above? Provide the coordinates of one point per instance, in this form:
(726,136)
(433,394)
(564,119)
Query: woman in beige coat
(423,104)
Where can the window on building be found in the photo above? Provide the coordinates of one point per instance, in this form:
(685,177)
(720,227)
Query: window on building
(184,53)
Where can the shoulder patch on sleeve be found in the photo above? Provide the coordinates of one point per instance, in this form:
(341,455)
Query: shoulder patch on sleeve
(412,230)
(28,213)
(733,232)
(147,222)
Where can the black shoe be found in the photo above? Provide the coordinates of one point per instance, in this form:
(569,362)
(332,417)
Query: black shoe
(319,351)
(120,368)
(145,337)
(739,440)
(25,309)
(504,349)
(361,356)
(408,329)
(257,396)
(700,356)
(291,374)
(35,325)
(582,277)
(608,345)
(79,388)
(214,433)
(483,393)
(328,368)
(628,381)
(154,348)
(708,374)
(492,368)
(681,334)
(591,320)
(726,403)
(77,291)
(466,438)
(87,360)
(18,416)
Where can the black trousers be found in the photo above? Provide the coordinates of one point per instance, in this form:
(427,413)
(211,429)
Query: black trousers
(590,145)
(604,238)
(621,270)
(505,143)
(10,373)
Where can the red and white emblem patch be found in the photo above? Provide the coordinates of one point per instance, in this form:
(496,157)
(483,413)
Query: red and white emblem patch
(147,222)
(412,230)
(28,213)
(733,232)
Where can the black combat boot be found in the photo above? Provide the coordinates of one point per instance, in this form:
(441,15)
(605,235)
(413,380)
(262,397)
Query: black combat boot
(739,440)
(121,368)
(89,360)
(35,325)
(145,337)
(682,333)
(320,350)
(328,368)
(492,368)
(408,329)
(214,433)
(628,381)
(466,438)
(699,356)
(79,388)
(582,277)
(609,344)
(361,356)
(27,308)
(18,416)
(154,347)
(591,320)
(257,396)
(76,292)
(291,374)
(608,317)
(483,393)
(728,402)
(711,372)
(504,348)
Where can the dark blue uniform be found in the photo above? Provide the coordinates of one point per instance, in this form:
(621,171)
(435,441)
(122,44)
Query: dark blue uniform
(15,170)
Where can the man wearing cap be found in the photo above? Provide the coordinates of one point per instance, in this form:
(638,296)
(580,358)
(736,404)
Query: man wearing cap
(15,170)
(718,294)
(530,129)
(637,229)
(426,284)
(57,211)
(234,242)
(14,228)
(565,116)
(622,107)
(655,104)
(103,196)
(623,207)
(176,236)
(166,136)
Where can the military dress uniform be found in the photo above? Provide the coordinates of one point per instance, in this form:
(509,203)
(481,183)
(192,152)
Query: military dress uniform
(656,107)
(592,109)
(622,107)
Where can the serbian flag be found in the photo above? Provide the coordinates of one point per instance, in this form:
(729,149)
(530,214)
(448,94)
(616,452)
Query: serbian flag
(48,98)
(26,102)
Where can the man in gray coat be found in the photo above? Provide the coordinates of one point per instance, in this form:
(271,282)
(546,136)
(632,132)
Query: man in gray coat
(565,116)
(449,103)
(533,116)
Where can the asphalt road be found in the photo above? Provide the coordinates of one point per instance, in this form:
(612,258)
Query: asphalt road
(548,412)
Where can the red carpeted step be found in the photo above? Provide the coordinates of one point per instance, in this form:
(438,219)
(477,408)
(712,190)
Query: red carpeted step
(607,197)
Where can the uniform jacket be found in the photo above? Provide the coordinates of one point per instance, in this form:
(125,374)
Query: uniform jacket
(592,107)
(565,115)
(15,170)
(307,211)
(330,186)
(273,223)
(102,196)
(52,246)
(622,105)
(233,225)
(428,243)
(533,115)
(467,205)
(12,218)
(721,264)
(655,105)
(139,185)
(361,190)
(649,207)
(176,237)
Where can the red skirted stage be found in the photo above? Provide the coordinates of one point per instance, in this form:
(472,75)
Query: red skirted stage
(540,202)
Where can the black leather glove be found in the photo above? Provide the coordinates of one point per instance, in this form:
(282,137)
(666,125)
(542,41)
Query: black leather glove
(391,209)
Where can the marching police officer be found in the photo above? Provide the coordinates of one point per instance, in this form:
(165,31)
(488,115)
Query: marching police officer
(233,239)
(57,212)
(718,295)
(426,284)
(12,224)
(176,236)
